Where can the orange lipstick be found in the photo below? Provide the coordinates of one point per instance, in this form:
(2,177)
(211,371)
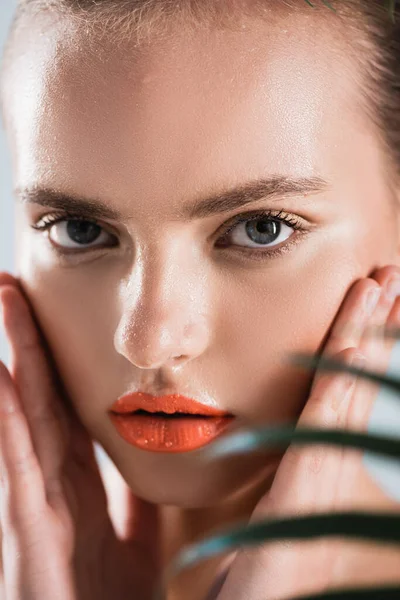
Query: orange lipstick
(171,423)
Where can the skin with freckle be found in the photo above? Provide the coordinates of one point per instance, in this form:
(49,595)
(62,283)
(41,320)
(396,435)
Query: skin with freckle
(164,307)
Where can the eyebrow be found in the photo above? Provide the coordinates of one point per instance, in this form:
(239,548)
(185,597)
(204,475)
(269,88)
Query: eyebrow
(271,188)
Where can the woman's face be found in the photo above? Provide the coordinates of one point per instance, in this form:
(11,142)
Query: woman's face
(167,301)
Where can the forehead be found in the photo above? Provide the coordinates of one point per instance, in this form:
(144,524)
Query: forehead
(268,97)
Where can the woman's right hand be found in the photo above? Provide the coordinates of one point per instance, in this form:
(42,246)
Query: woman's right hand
(312,478)
(59,542)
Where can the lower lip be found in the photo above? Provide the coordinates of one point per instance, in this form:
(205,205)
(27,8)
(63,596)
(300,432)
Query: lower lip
(169,434)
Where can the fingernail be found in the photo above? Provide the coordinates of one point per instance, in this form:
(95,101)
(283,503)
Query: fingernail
(358,361)
(393,288)
(372,299)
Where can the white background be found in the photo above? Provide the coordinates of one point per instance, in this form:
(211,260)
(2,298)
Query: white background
(6,202)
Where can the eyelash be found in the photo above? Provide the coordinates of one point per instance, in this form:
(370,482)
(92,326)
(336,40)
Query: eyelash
(258,253)
(48,221)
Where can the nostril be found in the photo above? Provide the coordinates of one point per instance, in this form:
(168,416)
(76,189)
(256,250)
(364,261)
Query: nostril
(176,361)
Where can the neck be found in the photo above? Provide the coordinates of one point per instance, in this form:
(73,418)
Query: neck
(182,527)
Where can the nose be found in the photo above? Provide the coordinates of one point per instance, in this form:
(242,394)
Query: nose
(165,318)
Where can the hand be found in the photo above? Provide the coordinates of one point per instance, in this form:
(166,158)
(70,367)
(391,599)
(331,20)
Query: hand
(59,542)
(324,479)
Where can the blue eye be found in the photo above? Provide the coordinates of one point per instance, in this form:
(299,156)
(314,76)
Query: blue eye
(79,232)
(254,233)
(73,233)
(260,232)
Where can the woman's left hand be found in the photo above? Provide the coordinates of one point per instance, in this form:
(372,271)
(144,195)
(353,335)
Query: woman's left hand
(316,479)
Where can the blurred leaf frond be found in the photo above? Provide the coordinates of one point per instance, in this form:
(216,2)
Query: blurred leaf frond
(382,528)
(388,592)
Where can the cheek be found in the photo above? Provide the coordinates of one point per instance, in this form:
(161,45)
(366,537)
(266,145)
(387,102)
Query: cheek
(264,316)
(280,316)
(77,321)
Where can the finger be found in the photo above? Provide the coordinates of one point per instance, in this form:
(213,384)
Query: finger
(331,405)
(355,313)
(390,329)
(351,321)
(389,279)
(31,559)
(22,499)
(393,320)
(331,392)
(377,350)
(363,314)
(374,344)
(34,384)
(8,279)
(312,469)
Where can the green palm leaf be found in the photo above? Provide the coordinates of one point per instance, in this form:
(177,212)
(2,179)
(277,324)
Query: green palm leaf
(332,365)
(258,438)
(389,592)
(261,438)
(380,527)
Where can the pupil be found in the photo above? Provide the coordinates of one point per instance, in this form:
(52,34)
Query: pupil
(263,231)
(83,232)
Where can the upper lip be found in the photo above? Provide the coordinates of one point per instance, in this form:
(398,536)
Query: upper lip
(172,403)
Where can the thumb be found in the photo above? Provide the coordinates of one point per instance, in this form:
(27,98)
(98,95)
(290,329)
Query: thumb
(329,392)
(309,471)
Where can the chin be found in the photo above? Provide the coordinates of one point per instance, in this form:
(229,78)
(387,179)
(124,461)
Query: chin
(214,484)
